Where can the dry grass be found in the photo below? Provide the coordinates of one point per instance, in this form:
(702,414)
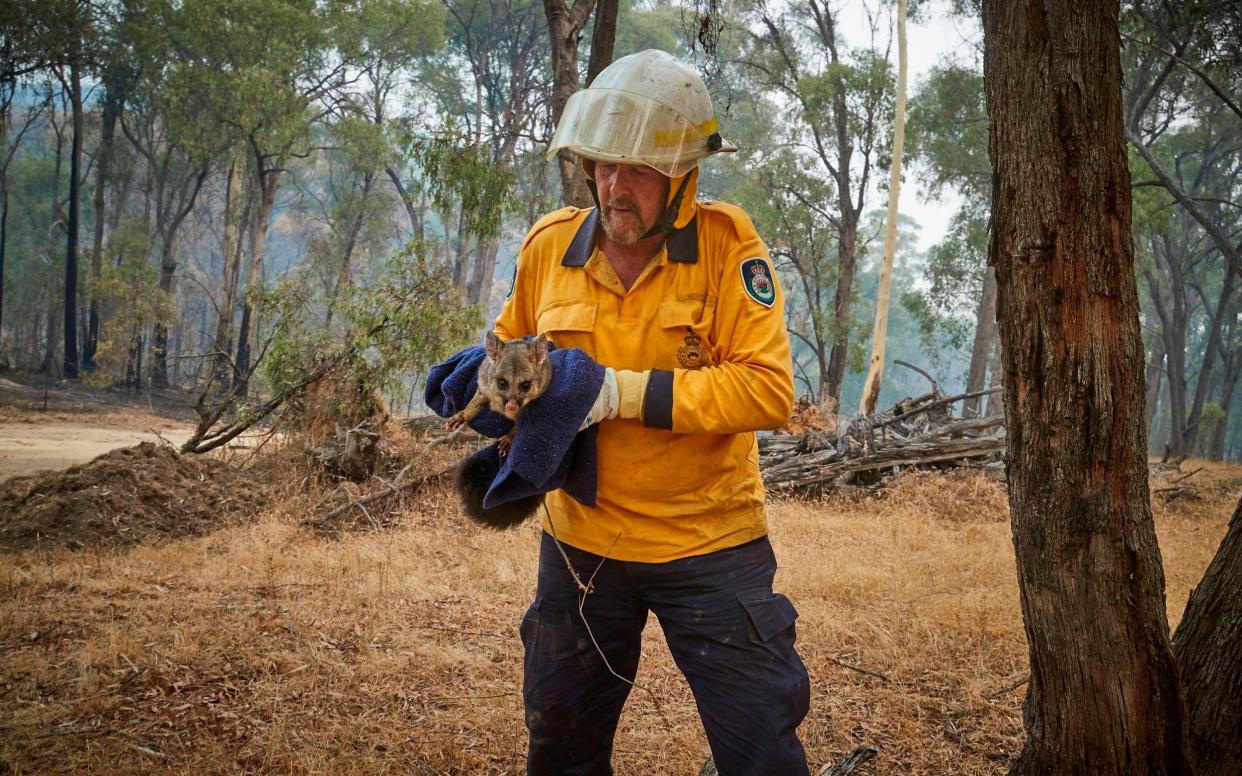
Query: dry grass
(269,648)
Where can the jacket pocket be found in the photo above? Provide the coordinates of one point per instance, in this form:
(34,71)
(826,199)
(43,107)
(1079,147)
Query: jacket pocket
(680,313)
(770,613)
(568,317)
(568,325)
(684,324)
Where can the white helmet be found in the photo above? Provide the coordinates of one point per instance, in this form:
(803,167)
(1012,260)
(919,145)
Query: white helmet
(648,108)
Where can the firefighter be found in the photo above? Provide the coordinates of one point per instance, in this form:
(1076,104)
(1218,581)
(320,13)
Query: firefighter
(679,300)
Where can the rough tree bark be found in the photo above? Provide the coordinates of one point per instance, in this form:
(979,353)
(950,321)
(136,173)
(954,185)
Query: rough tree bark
(1211,663)
(565,23)
(1104,696)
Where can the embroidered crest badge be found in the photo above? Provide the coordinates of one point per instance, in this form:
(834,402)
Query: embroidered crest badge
(691,355)
(757,280)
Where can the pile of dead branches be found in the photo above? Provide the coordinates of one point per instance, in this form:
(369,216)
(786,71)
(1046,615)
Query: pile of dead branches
(917,432)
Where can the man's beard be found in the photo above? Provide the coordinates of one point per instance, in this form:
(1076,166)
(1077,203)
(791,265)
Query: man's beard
(624,228)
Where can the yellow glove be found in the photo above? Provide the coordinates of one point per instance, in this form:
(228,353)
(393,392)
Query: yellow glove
(631,388)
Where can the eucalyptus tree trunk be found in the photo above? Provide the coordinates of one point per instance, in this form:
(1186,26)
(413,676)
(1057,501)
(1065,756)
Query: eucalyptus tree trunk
(103,169)
(345,276)
(70,356)
(875,371)
(231,251)
(981,349)
(1104,696)
(479,288)
(1154,381)
(565,23)
(1211,663)
(1203,382)
(268,180)
(184,203)
(841,304)
(603,38)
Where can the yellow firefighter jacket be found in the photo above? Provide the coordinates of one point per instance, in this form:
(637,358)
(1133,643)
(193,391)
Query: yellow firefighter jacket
(707,318)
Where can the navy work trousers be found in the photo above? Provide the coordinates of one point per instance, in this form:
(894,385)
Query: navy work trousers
(730,635)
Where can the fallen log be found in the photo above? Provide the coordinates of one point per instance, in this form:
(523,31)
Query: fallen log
(805,471)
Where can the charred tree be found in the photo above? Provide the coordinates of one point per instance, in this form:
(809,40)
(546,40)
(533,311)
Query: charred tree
(1104,696)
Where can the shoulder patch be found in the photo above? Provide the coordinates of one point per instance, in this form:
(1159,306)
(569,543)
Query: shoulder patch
(757,280)
(555,217)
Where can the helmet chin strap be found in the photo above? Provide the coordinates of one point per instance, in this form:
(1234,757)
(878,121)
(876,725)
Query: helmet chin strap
(666,222)
(670,213)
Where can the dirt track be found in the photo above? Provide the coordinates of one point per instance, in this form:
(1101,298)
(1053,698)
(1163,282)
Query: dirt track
(29,447)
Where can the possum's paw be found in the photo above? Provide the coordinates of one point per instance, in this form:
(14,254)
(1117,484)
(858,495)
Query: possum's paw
(472,482)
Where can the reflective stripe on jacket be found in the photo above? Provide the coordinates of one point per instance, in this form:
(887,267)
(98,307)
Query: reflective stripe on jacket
(707,317)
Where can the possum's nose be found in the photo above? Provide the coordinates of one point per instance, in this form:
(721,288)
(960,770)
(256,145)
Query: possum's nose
(511,405)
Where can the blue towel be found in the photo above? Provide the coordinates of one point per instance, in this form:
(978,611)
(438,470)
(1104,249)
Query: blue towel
(547,452)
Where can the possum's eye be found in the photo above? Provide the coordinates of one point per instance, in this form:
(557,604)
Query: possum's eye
(502,383)
(524,385)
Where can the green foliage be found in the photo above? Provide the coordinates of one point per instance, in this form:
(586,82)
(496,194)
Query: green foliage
(128,290)
(389,31)
(362,143)
(410,317)
(947,139)
(462,175)
(955,267)
(947,133)
(638,29)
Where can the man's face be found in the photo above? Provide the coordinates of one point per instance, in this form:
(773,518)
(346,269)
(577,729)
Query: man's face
(632,199)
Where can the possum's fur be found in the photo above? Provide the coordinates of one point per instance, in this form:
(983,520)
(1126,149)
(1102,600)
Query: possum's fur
(472,482)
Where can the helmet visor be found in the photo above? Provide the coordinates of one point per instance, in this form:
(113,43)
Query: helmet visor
(610,125)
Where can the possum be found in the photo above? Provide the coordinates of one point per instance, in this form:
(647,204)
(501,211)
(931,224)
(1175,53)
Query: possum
(513,374)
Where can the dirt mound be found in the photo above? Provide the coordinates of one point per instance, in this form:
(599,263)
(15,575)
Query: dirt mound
(124,497)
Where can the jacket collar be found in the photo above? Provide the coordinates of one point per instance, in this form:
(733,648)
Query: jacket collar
(682,244)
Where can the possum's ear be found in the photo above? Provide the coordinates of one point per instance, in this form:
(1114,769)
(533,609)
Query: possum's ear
(539,347)
(491,344)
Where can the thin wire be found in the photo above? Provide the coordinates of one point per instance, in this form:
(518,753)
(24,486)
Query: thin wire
(583,592)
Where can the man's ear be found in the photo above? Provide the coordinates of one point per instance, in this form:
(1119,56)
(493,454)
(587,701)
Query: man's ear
(491,344)
(540,348)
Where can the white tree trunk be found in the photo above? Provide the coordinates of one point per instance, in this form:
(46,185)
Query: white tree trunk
(875,372)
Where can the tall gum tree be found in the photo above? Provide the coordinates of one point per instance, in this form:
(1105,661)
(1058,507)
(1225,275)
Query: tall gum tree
(840,100)
(1104,695)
